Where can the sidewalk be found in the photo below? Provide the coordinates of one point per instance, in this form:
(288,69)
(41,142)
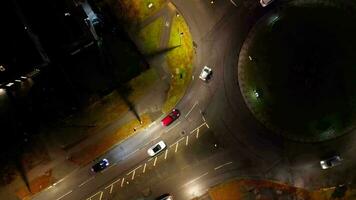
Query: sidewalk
(80,131)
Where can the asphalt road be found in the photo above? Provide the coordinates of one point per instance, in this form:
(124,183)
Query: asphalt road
(216,137)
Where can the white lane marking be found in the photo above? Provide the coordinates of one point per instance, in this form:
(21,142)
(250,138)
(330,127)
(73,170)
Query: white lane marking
(187,140)
(220,166)
(165,154)
(196,102)
(132,153)
(65,195)
(86,181)
(197,135)
(54,184)
(112,185)
(133,172)
(154,162)
(108,168)
(176,147)
(193,77)
(122,182)
(196,179)
(233,3)
(101,195)
(172,127)
(144,168)
(198,127)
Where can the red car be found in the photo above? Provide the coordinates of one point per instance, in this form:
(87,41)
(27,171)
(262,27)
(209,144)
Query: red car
(171,117)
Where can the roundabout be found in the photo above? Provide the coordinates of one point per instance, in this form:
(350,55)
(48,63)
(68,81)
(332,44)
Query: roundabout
(297,71)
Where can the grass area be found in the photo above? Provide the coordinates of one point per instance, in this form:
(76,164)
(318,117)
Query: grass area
(180,61)
(135,11)
(140,84)
(250,189)
(36,185)
(150,36)
(93,151)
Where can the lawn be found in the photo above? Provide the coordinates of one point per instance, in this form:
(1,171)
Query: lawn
(136,11)
(180,61)
(150,36)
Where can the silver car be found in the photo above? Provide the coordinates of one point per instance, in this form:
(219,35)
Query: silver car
(155,149)
(265,3)
(330,162)
(205,73)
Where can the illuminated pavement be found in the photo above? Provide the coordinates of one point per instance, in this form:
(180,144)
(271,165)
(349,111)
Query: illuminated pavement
(212,113)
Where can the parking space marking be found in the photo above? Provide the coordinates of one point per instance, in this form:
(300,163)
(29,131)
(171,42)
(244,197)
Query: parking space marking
(196,102)
(187,140)
(220,166)
(206,124)
(122,182)
(112,185)
(203,118)
(101,195)
(197,135)
(144,168)
(133,172)
(65,195)
(80,185)
(197,127)
(154,162)
(165,154)
(176,147)
(172,127)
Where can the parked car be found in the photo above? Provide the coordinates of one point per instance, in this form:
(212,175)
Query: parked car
(265,3)
(165,197)
(205,73)
(155,149)
(171,117)
(100,166)
(330,162)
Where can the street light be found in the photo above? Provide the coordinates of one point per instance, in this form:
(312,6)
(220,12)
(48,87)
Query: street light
(180,37)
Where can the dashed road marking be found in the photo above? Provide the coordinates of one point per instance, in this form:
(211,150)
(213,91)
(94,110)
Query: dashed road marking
(86,181)
(154,162)
(187,140)
(108,168)
(122,182)
(112,185)
(133,172)
(220,166)
(206,173)
(196,102)
(197,127)
(132,153)
(176,147)
(65,195)
(165,154)
(197,135)
(144,168)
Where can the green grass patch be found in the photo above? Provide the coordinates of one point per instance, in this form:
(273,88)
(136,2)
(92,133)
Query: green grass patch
(180,61)
(135,11)
(150,36)
(140,84)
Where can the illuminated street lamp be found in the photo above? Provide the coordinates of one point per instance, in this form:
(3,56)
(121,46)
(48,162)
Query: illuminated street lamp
(150,5)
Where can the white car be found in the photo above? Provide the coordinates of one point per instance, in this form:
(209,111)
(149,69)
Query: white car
(265,3)
(205,73)
(330,162)
(155,149)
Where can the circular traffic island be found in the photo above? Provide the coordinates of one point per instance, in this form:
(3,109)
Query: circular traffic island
(297,71)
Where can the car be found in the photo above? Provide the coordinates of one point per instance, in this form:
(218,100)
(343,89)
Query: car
(265,3)
(165,197)
(330,162)
(171,117)
(205,73)
(100,166)
(155,149)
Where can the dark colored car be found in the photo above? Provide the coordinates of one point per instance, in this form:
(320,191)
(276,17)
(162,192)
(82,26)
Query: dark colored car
(171,117)
(101,165)
(165,197)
